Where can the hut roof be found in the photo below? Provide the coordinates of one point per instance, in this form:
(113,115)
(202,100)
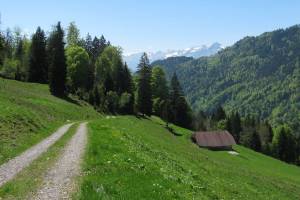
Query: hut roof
(214,139)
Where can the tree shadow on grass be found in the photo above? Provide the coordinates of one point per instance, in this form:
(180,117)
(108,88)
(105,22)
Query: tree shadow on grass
(171,130)
(141,116)
(70,100)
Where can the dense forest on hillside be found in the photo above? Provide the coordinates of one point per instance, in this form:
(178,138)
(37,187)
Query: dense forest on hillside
(257,76)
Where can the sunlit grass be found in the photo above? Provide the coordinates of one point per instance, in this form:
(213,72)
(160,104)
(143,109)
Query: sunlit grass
(29,113)
(130,158)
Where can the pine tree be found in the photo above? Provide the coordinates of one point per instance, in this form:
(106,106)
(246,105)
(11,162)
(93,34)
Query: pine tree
(285,145)
(183,113)
(38,66)
(127,79)
(97,49)
(103,44)
(144,93)
(88,45)
(57,62)
(180,110)
(235,126)
(270,133)
(128,88)
(255,142)
(166,112)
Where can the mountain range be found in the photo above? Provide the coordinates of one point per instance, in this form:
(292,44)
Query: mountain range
(133,59)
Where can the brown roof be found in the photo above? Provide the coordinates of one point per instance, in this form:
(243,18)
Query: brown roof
(213,139)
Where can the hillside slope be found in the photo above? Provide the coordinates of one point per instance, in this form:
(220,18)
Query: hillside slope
(29,113)
(257,75)
(131,158)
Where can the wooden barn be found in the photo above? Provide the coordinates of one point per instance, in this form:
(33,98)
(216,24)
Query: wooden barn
(217,140)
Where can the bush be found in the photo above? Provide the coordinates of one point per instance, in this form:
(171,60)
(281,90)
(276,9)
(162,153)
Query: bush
(9,68)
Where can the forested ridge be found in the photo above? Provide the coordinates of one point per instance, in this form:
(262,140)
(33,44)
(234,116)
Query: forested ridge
(257,76)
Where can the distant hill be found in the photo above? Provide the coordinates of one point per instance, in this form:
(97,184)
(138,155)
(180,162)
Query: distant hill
(257,75)
(195,52)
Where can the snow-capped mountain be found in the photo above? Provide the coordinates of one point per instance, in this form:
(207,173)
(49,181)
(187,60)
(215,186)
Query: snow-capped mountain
(133,59)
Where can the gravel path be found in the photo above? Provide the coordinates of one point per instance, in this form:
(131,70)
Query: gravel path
(59,182)
(10,169)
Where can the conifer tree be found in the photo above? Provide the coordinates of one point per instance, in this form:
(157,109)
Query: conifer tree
(128,89)
(144,93)
(180,110)
(57,62)
(98,46)
(285,144)
(88,46)
(255,142)
(127,79)
(235,126)
(38,66)
(270,133)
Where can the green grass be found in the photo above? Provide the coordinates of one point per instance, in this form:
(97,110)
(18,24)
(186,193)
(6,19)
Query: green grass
(29,113)
(130,158)
(29,179)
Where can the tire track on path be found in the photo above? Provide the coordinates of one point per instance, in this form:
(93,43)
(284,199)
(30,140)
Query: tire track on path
(11,168)
(59,182)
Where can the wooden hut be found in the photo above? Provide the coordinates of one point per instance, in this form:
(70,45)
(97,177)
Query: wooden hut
(218,140)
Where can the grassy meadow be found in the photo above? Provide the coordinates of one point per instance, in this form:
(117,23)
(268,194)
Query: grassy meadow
(131,158)
(29,113)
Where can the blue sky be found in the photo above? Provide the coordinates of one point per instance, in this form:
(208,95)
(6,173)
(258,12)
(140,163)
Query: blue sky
(140,25)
